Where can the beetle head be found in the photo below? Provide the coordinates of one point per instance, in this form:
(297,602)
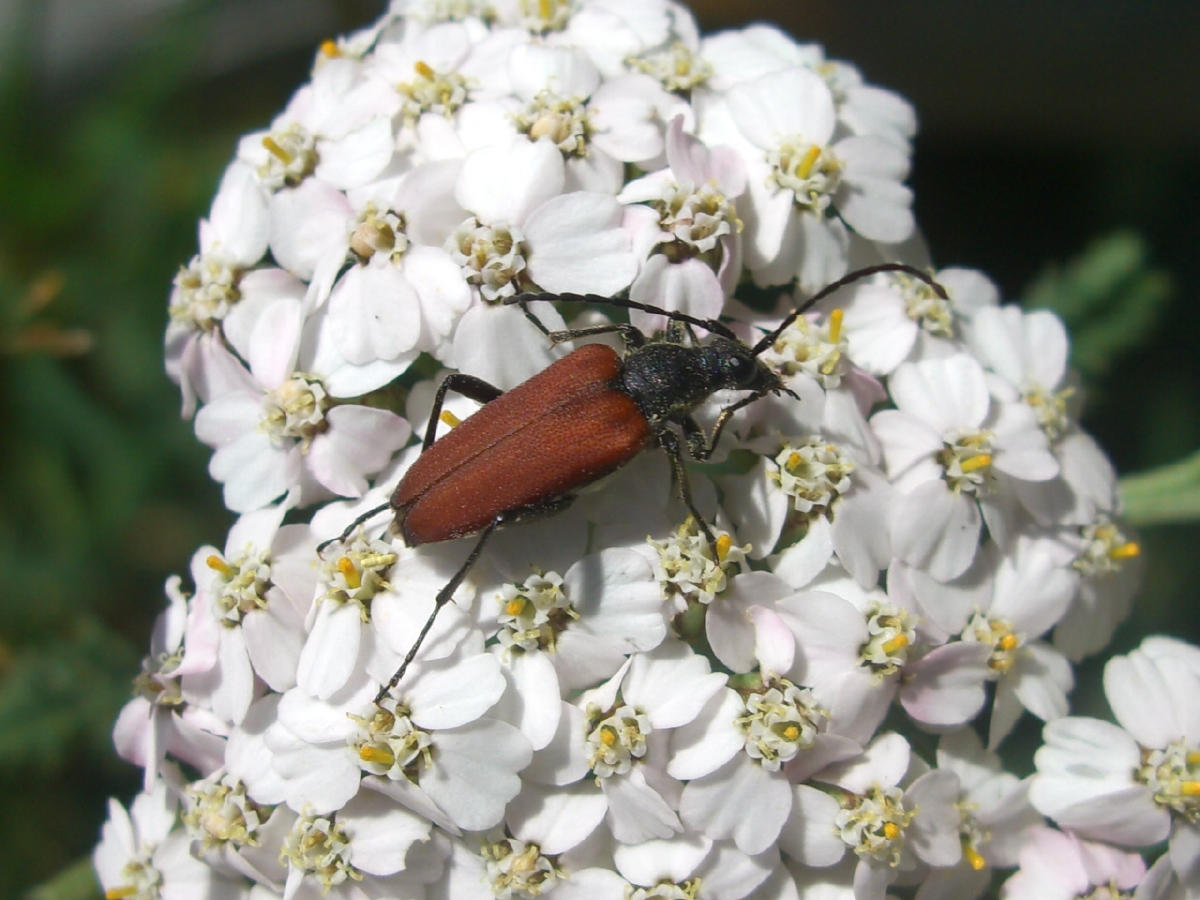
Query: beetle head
(734,365)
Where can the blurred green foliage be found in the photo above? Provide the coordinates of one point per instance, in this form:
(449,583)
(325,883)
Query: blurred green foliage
(105,492)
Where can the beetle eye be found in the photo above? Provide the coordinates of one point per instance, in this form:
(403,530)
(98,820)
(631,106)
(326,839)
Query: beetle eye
(742,369)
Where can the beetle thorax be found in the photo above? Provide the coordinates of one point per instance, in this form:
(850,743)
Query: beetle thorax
(668,380)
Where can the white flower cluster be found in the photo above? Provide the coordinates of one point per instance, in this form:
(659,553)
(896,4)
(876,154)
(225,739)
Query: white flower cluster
(616,703)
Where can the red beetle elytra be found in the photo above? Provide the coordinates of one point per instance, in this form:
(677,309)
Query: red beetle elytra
(525,451)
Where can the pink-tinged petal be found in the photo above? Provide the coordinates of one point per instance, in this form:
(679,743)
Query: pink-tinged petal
(1043,678)
(710,740)
(871,879)
(380,833)
(308,223)
(934,832)
(856,703)
(505,184)
(426,195)
(728,625)
(584,659)
(275,342)
(883,762)
(556,820)
(596,173)
(438,699)
(728,874)
(947,393)
(532,702)
(877,209)
(808,113)
(625,113)
(534,68)
(475,773)
(360,441)
(443,292)
(1183,684)
(774,643)
(935,529)
(760,509)
(808,836)
(374,314)
(1033,589)
(821,246)
(526,351)
(859,531)
(311,720)
(248,758)
(953,884)
(273,642)
(637,812)
(228,417)
(671,684)
(873,157)
(1021,450)
(691,160)
(878,332)
(591,884)
(230,683)
(1141,701)
(905,440)
(331,652)
(132,736)
(1184,851)
(829,632)
(1006,712)
(689,287)
(946,687)
(564,760)
(412,798)
(356,158)
(771,226)
(1084,783)
(946,607)
(578,245)
(675,859)
(239,218)
(1105,865)
(826,750)
(317,778)
(255,471)
(618,598)
(399,614)
(872,110)
(716,804)
(753,51)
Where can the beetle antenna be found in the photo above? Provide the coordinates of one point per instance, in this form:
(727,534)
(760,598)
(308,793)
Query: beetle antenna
(711,325)
(846,279)
(358,520)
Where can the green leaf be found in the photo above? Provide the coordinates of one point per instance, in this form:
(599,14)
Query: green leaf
(76,882)
(1170,493)
(1110,298)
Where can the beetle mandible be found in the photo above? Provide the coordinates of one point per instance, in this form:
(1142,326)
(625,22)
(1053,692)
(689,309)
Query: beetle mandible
(525,451)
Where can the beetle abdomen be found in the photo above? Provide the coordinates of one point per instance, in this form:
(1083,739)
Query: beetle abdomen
(562,429)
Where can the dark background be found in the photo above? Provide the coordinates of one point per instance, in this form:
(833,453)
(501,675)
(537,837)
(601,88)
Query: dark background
(1044,127)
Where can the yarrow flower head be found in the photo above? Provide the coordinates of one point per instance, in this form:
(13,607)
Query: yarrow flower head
(473,636)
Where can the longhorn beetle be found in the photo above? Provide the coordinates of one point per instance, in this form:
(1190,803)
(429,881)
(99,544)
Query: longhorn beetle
(524,453)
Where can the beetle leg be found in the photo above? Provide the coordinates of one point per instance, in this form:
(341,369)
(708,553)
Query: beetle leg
(469,386)
(700,447)
(670,443)
(443,597)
